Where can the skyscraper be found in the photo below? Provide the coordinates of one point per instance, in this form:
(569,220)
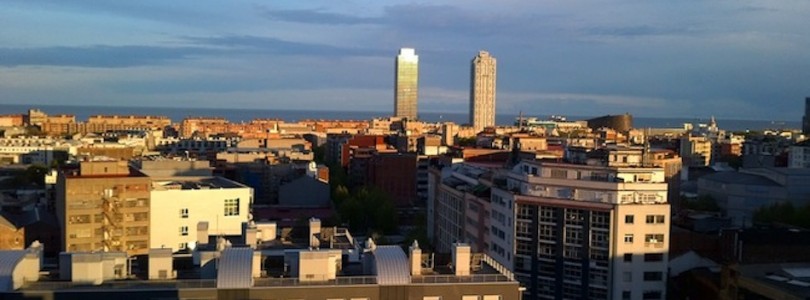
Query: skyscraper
(482,91)
(806,118)
(406,83)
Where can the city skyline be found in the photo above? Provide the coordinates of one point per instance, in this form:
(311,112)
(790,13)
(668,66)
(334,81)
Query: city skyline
(742,60)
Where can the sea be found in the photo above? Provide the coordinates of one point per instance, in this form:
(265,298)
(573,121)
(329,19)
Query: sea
(177,114)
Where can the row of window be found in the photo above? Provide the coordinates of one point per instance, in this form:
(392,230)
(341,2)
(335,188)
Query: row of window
(648,238)
(648,276)
(650,219)
(647,295)
(648,257)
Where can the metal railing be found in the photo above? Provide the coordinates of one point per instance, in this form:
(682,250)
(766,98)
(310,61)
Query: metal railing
(477,278)
(123,284)
(345,280)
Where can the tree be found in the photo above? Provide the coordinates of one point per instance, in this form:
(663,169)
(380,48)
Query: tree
(785,213)
(34,174)
(702,203)
(367,209)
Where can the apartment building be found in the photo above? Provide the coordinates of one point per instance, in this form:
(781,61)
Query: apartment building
(582,232)
(179,203)
(460,208)
(104,206)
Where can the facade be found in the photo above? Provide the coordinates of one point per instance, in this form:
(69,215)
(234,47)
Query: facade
(582,232)
(799,155)
(406,84)
(622,123)
(482,91)
(696,151)
(178,204)
(104,207)
(460,207)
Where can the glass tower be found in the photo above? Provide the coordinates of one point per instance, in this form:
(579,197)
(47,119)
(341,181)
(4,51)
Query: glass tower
(406,84)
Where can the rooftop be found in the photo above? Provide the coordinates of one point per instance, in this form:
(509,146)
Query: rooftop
(194,183)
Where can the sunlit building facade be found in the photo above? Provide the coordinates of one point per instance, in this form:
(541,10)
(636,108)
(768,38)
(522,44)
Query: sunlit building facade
(482,91)
(406,84)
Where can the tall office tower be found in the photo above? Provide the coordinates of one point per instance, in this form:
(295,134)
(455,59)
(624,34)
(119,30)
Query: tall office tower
(482,91)
(406,84)
(806,118)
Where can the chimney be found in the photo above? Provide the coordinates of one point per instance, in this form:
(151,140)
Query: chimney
(202,233)
(314,229)
(461,259)
(249,234)
(416,259)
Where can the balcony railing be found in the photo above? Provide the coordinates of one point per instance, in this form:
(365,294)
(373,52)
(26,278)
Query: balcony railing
(430,279)
(344,280)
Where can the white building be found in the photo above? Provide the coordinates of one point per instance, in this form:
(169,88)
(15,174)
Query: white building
(799,155)
(34,150)
(577,231)
(178,204)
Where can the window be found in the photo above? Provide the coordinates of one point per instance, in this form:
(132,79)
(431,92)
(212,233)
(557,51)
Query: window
(232,207)
(648,257)
(654,238)
(626,295)
(182,246)
(627,276)
(492,297)
(628,257)
(651,295)
(655,219)
(629,219)
(184,213)
(560,174)
(653,276)
(184,230)
(628,238)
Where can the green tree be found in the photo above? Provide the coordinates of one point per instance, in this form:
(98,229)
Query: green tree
(702,203)
(785,213)
(34,174)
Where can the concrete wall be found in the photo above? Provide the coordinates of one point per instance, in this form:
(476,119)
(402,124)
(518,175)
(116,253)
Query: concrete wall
(637,248)
(203,205)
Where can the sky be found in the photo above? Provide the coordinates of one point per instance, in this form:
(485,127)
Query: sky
(736,59)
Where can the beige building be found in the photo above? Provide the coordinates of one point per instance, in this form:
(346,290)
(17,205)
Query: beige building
(582,232)
(104,206)
(482,91)
(178,204)
(406,84)
(696,151)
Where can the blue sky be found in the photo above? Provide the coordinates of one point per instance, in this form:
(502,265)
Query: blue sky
(732,59)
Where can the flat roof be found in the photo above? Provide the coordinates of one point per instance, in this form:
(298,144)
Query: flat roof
(194,183)
(732,177)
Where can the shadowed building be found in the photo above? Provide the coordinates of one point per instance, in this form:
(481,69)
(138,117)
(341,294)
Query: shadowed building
(621,123)
(482,91)
(806,118)
(406,84)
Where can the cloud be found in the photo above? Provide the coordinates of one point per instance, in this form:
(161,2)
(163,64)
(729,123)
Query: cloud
(97,56)
(278,46)
(315,16)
